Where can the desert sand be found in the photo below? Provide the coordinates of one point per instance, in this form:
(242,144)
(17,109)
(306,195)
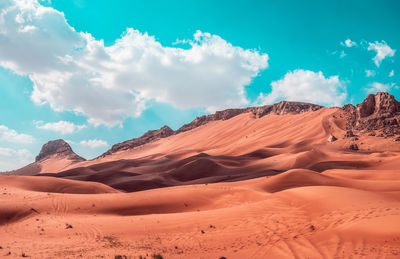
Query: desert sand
(245,187)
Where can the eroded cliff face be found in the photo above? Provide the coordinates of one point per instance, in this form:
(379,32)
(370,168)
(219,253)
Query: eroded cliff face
(58,148)
(378,113)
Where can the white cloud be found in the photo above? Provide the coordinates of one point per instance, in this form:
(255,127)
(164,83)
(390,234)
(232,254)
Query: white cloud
(370,73)
(10,135)
(307,86)
(378,87)
(348,43)
(391,74)
(94,143)
(72,71)
(382,51)
(63,127)
(11,159)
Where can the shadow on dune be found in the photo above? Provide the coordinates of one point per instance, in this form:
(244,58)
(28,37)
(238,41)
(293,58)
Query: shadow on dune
(143,174)
(131,175)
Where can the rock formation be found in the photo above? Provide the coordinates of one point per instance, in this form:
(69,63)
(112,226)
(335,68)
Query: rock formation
(59,148)
(353,147)
(379,112)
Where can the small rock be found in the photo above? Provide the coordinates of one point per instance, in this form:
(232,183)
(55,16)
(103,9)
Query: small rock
(355,139)
(397,139)
(353,147)
(332,138)
(349,134)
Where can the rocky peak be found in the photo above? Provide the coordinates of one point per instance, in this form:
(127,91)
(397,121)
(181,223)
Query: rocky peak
(57,147)
(378,111)
(381,104)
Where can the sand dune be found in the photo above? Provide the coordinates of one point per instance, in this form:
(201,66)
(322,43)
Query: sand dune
(240,148)
(243,187)
(299,213)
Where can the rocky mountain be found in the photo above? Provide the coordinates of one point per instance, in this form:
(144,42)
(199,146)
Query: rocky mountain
(59,148)
(378,115)
(54,155)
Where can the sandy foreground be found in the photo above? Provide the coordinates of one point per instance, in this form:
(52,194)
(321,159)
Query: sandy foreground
(328,202)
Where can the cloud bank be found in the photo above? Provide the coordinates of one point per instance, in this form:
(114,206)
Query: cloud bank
(382,51)
(375,87)
(63,127)
(306,86)
(73,71)
(10,135)
(14,158)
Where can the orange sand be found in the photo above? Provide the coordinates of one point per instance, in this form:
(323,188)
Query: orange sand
(329,202)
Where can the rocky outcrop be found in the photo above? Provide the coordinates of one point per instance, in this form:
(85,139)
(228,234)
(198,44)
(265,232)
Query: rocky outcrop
(349,134)
(380,112)
(280,108)
(147,137)
(332,138)
(59,148)
(353,147)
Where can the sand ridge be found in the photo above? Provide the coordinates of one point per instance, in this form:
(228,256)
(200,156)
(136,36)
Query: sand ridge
(246,187)
(299,213)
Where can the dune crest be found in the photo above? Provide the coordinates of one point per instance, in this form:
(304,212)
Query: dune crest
(290,180)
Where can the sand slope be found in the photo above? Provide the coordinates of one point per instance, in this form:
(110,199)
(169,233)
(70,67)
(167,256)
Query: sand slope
(240,148)
(272,187)
(298,214)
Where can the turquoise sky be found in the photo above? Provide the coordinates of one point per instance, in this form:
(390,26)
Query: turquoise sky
(326,52)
